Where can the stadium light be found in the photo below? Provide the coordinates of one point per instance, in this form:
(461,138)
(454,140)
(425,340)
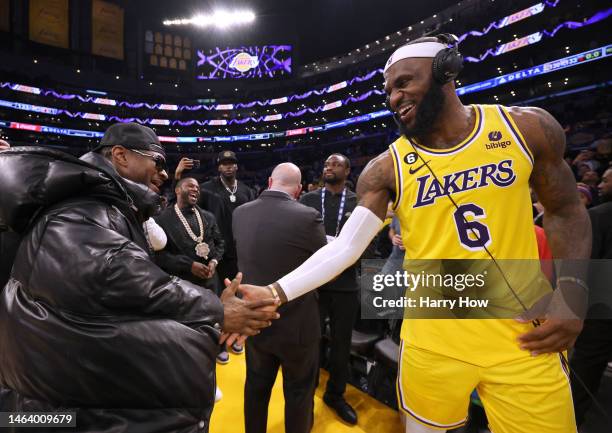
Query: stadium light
(220,19)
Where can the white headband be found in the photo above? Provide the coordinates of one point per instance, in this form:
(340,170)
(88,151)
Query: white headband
(422,49)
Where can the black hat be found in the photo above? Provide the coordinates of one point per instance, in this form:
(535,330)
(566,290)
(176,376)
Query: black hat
(131,136)
(226,155)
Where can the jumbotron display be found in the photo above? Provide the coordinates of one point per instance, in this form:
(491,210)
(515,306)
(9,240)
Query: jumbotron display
(266,61)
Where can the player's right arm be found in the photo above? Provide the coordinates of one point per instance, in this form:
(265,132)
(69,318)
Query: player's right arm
(376,185)
(374,190)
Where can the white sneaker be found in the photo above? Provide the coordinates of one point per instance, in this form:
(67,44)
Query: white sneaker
(218,394)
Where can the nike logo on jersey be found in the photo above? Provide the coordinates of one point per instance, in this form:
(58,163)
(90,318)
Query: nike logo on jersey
(414,170)
(429,189)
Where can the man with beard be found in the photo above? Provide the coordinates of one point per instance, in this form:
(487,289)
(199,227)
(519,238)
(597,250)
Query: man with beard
(339,299)
(459,180)
(233,194)
(208,201)
(593,348)
(230,194)
(195,245)
(88,323)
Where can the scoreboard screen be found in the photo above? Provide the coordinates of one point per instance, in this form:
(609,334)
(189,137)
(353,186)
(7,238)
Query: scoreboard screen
(263,61)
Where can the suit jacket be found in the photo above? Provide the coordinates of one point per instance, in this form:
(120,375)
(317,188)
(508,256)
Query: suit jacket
(215,195)
(601,223)
(179,254)
(274,235)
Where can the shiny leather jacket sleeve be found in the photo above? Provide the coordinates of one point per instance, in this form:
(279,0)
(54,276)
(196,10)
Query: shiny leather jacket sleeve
(104,326)
(108,271)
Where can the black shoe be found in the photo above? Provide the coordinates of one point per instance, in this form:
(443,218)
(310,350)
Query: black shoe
(342,408)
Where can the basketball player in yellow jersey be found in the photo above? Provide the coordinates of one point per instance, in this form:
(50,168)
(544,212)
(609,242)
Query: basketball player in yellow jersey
(484,158)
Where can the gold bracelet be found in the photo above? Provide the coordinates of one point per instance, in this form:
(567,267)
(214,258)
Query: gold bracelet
(273,290)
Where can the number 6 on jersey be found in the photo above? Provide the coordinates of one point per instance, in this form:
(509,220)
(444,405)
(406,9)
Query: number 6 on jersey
(473,235)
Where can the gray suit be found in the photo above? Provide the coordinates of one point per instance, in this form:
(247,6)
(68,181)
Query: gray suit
(275,234)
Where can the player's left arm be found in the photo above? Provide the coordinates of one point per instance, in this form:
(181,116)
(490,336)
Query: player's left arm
(566,221)
(567,227)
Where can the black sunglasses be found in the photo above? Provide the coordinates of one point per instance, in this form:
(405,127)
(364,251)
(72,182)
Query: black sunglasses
(160,162)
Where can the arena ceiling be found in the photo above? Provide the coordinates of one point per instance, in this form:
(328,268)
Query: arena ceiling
(318,28)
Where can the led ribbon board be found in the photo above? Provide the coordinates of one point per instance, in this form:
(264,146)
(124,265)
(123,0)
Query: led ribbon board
(29,107)
(50,129)
(212,122)
(565,62)
(545,68)
(536,37)
(510,19)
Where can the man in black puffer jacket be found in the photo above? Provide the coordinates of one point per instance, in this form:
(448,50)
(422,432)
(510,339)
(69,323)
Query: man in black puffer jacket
(87,321)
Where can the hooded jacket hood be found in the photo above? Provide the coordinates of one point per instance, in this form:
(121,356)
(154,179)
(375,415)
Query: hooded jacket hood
(35,178)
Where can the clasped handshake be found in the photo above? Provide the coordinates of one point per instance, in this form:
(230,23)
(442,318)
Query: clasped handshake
(246,316)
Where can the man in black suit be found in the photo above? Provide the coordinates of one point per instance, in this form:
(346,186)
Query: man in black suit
(593,348)
(221,195)
(231,194)
(338,299)
(275,234)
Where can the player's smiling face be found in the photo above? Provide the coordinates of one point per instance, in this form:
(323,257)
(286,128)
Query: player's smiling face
(414,97)
(405,84)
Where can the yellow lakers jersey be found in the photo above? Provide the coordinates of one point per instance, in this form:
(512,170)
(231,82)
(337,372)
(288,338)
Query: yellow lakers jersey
(471,201)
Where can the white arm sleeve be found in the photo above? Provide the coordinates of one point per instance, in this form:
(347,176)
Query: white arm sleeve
(335,257)
(155,234)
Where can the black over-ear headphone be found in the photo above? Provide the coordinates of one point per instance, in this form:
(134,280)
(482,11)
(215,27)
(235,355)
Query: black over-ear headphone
(445,67)
(448,62)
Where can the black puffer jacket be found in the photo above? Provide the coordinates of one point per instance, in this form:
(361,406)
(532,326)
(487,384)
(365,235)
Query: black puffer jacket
(87,320)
